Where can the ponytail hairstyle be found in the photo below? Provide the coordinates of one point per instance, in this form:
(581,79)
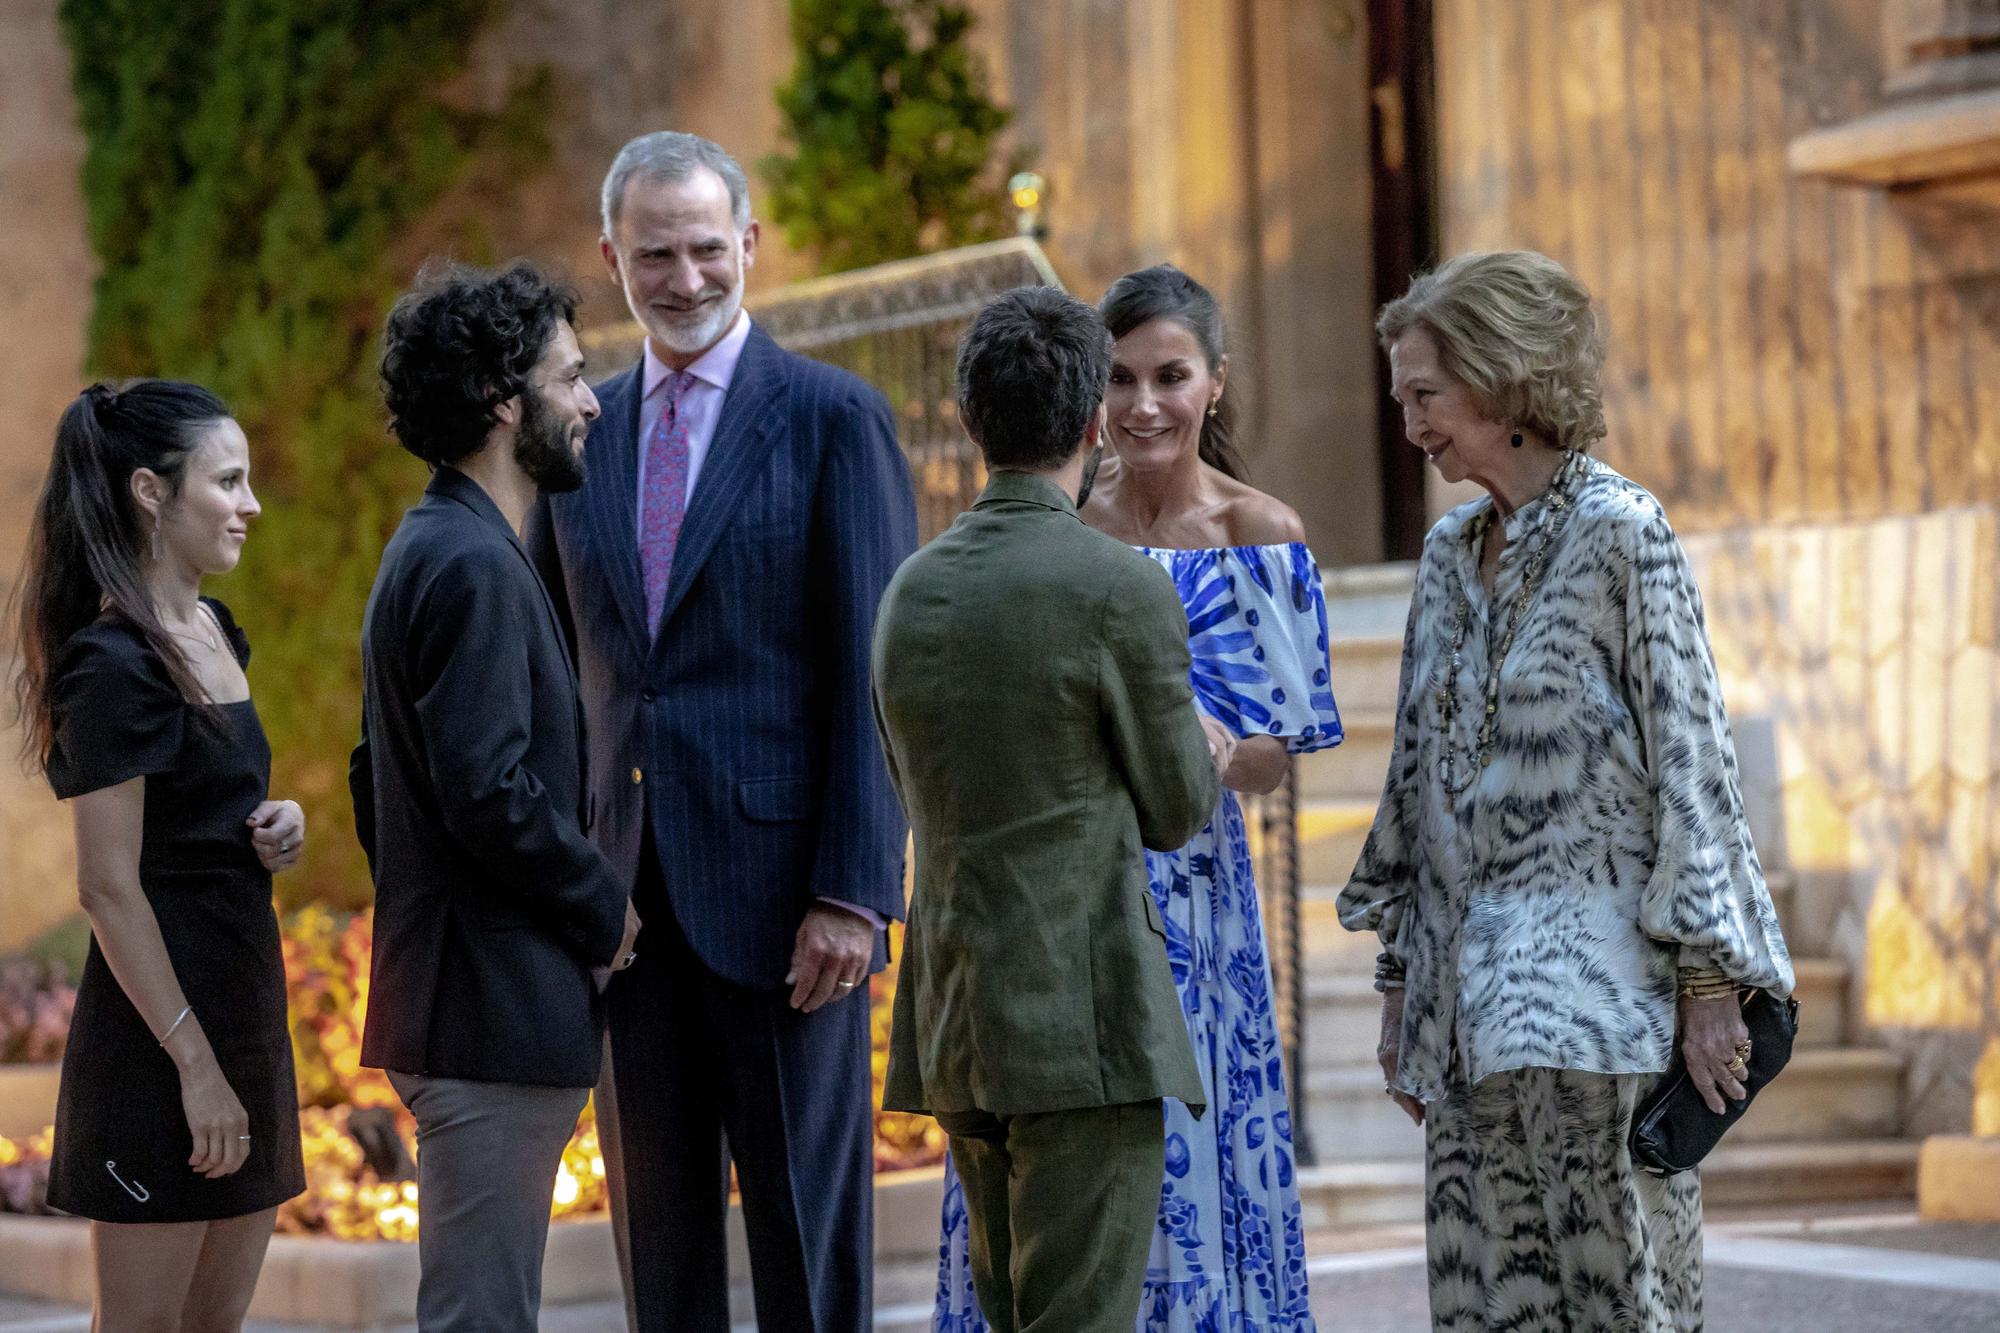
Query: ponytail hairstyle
(1164,292)
(90,541)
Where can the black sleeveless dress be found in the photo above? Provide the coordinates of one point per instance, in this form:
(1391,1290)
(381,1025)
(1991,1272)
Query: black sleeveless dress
(121,1137)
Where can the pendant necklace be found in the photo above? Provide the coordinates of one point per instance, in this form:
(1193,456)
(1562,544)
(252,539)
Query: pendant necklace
(1457,772)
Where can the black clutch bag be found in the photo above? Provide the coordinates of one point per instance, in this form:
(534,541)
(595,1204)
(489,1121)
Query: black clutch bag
(1673,1129)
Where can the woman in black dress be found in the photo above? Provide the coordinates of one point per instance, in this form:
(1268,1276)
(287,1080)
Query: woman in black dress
(177,1123)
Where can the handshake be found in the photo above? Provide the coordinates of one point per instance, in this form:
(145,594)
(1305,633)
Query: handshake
(1221,743)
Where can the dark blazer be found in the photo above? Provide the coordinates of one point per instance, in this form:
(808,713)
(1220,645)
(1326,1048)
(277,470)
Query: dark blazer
(491,905)
(742,729)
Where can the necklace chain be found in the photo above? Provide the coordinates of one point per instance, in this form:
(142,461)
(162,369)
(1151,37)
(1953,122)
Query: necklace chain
(1457,782)
(204,620)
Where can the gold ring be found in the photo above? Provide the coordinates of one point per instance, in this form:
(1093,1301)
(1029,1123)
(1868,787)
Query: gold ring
(1743,1049)
(1737,1066)
(845,985)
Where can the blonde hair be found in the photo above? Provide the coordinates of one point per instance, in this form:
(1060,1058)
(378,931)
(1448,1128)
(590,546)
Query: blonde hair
(1517,330)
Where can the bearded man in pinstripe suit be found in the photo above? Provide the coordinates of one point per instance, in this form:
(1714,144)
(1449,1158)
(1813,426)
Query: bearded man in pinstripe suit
(719,573)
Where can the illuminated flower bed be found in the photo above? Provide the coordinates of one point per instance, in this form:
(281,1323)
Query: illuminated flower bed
(326,968)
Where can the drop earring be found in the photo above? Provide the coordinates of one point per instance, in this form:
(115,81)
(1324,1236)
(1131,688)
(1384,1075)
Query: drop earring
(156,542)
(1516,440)
(1213,409)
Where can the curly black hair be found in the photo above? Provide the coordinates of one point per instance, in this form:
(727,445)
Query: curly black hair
(458,345)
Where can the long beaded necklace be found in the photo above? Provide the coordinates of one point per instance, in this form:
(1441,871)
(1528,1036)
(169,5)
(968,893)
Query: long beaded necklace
(1450,763)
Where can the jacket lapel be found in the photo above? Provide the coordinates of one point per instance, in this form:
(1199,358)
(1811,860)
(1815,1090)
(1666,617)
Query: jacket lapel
(750,413)
(610,499)
(448,484)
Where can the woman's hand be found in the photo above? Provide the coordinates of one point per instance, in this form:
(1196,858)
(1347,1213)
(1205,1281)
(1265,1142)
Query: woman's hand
(1388,1051)
(278,832)
(216,1119)
(1259,765)
(1221,743)
(1712,1033)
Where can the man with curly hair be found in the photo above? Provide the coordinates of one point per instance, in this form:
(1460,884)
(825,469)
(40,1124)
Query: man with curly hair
(497,922)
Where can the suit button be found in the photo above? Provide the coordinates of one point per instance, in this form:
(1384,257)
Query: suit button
(649,695)
(638,775)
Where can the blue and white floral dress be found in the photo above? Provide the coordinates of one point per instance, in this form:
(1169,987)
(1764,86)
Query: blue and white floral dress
(1229,1249)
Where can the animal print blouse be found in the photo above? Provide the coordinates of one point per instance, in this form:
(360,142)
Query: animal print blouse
(1542,913)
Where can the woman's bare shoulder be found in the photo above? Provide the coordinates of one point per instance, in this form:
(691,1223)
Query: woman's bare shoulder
(1257,519)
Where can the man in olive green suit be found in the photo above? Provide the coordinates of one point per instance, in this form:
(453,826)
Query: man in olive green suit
(1031,688)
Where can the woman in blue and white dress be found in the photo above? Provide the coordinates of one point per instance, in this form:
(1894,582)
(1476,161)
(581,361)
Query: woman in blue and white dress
(1229,1249)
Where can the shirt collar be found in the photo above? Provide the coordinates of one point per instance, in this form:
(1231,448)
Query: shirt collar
(1028,488)
(716,366)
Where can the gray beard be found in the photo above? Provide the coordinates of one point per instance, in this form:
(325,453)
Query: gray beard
(690,339)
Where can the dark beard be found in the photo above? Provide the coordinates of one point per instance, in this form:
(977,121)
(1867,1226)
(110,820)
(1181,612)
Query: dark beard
(542,448)
(1089,475)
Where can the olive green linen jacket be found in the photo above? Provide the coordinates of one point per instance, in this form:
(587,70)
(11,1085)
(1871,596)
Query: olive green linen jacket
(1031,689)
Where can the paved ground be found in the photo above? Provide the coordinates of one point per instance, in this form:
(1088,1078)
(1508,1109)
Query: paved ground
(1827,1271)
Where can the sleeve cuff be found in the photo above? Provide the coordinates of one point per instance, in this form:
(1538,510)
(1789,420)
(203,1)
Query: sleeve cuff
(1697,960)
(868,914)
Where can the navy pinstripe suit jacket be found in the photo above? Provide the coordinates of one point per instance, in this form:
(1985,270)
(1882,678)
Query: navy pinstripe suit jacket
(743,728)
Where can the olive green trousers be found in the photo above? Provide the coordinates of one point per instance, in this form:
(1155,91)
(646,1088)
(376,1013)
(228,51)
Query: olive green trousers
(1060,1207)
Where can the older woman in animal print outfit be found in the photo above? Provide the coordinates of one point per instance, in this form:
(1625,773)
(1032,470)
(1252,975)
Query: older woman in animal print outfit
(1560,871)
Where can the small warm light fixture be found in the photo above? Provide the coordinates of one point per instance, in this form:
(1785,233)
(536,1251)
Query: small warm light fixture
(1027,189)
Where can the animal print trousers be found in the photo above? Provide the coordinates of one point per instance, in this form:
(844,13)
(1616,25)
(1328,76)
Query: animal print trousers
(1536,1221)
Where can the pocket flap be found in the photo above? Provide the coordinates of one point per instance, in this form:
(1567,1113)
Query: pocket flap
(773,800)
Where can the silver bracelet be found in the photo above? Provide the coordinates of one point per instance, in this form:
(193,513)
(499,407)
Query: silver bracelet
(178,1020)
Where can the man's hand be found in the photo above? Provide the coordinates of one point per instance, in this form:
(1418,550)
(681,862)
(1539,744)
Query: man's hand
(1221,743)
(628,943)
(834,946)
(627,946)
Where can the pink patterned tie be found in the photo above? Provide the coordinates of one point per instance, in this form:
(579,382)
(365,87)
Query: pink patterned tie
(663,499)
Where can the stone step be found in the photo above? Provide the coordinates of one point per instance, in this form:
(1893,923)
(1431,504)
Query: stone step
(1825,1094)
(1343,1020)
(1367,670)
(1343,1010)
(1354,769)
(1839,1092)
(1330,947)
(1821,991)
(1330,836)
(1385,1193)
(1351,1120)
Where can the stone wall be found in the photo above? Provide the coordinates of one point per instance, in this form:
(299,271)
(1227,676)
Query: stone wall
(1782,349)
(1872,649)
(45,277)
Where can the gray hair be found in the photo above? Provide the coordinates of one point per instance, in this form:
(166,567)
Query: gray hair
(1517,330)
(668,155)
